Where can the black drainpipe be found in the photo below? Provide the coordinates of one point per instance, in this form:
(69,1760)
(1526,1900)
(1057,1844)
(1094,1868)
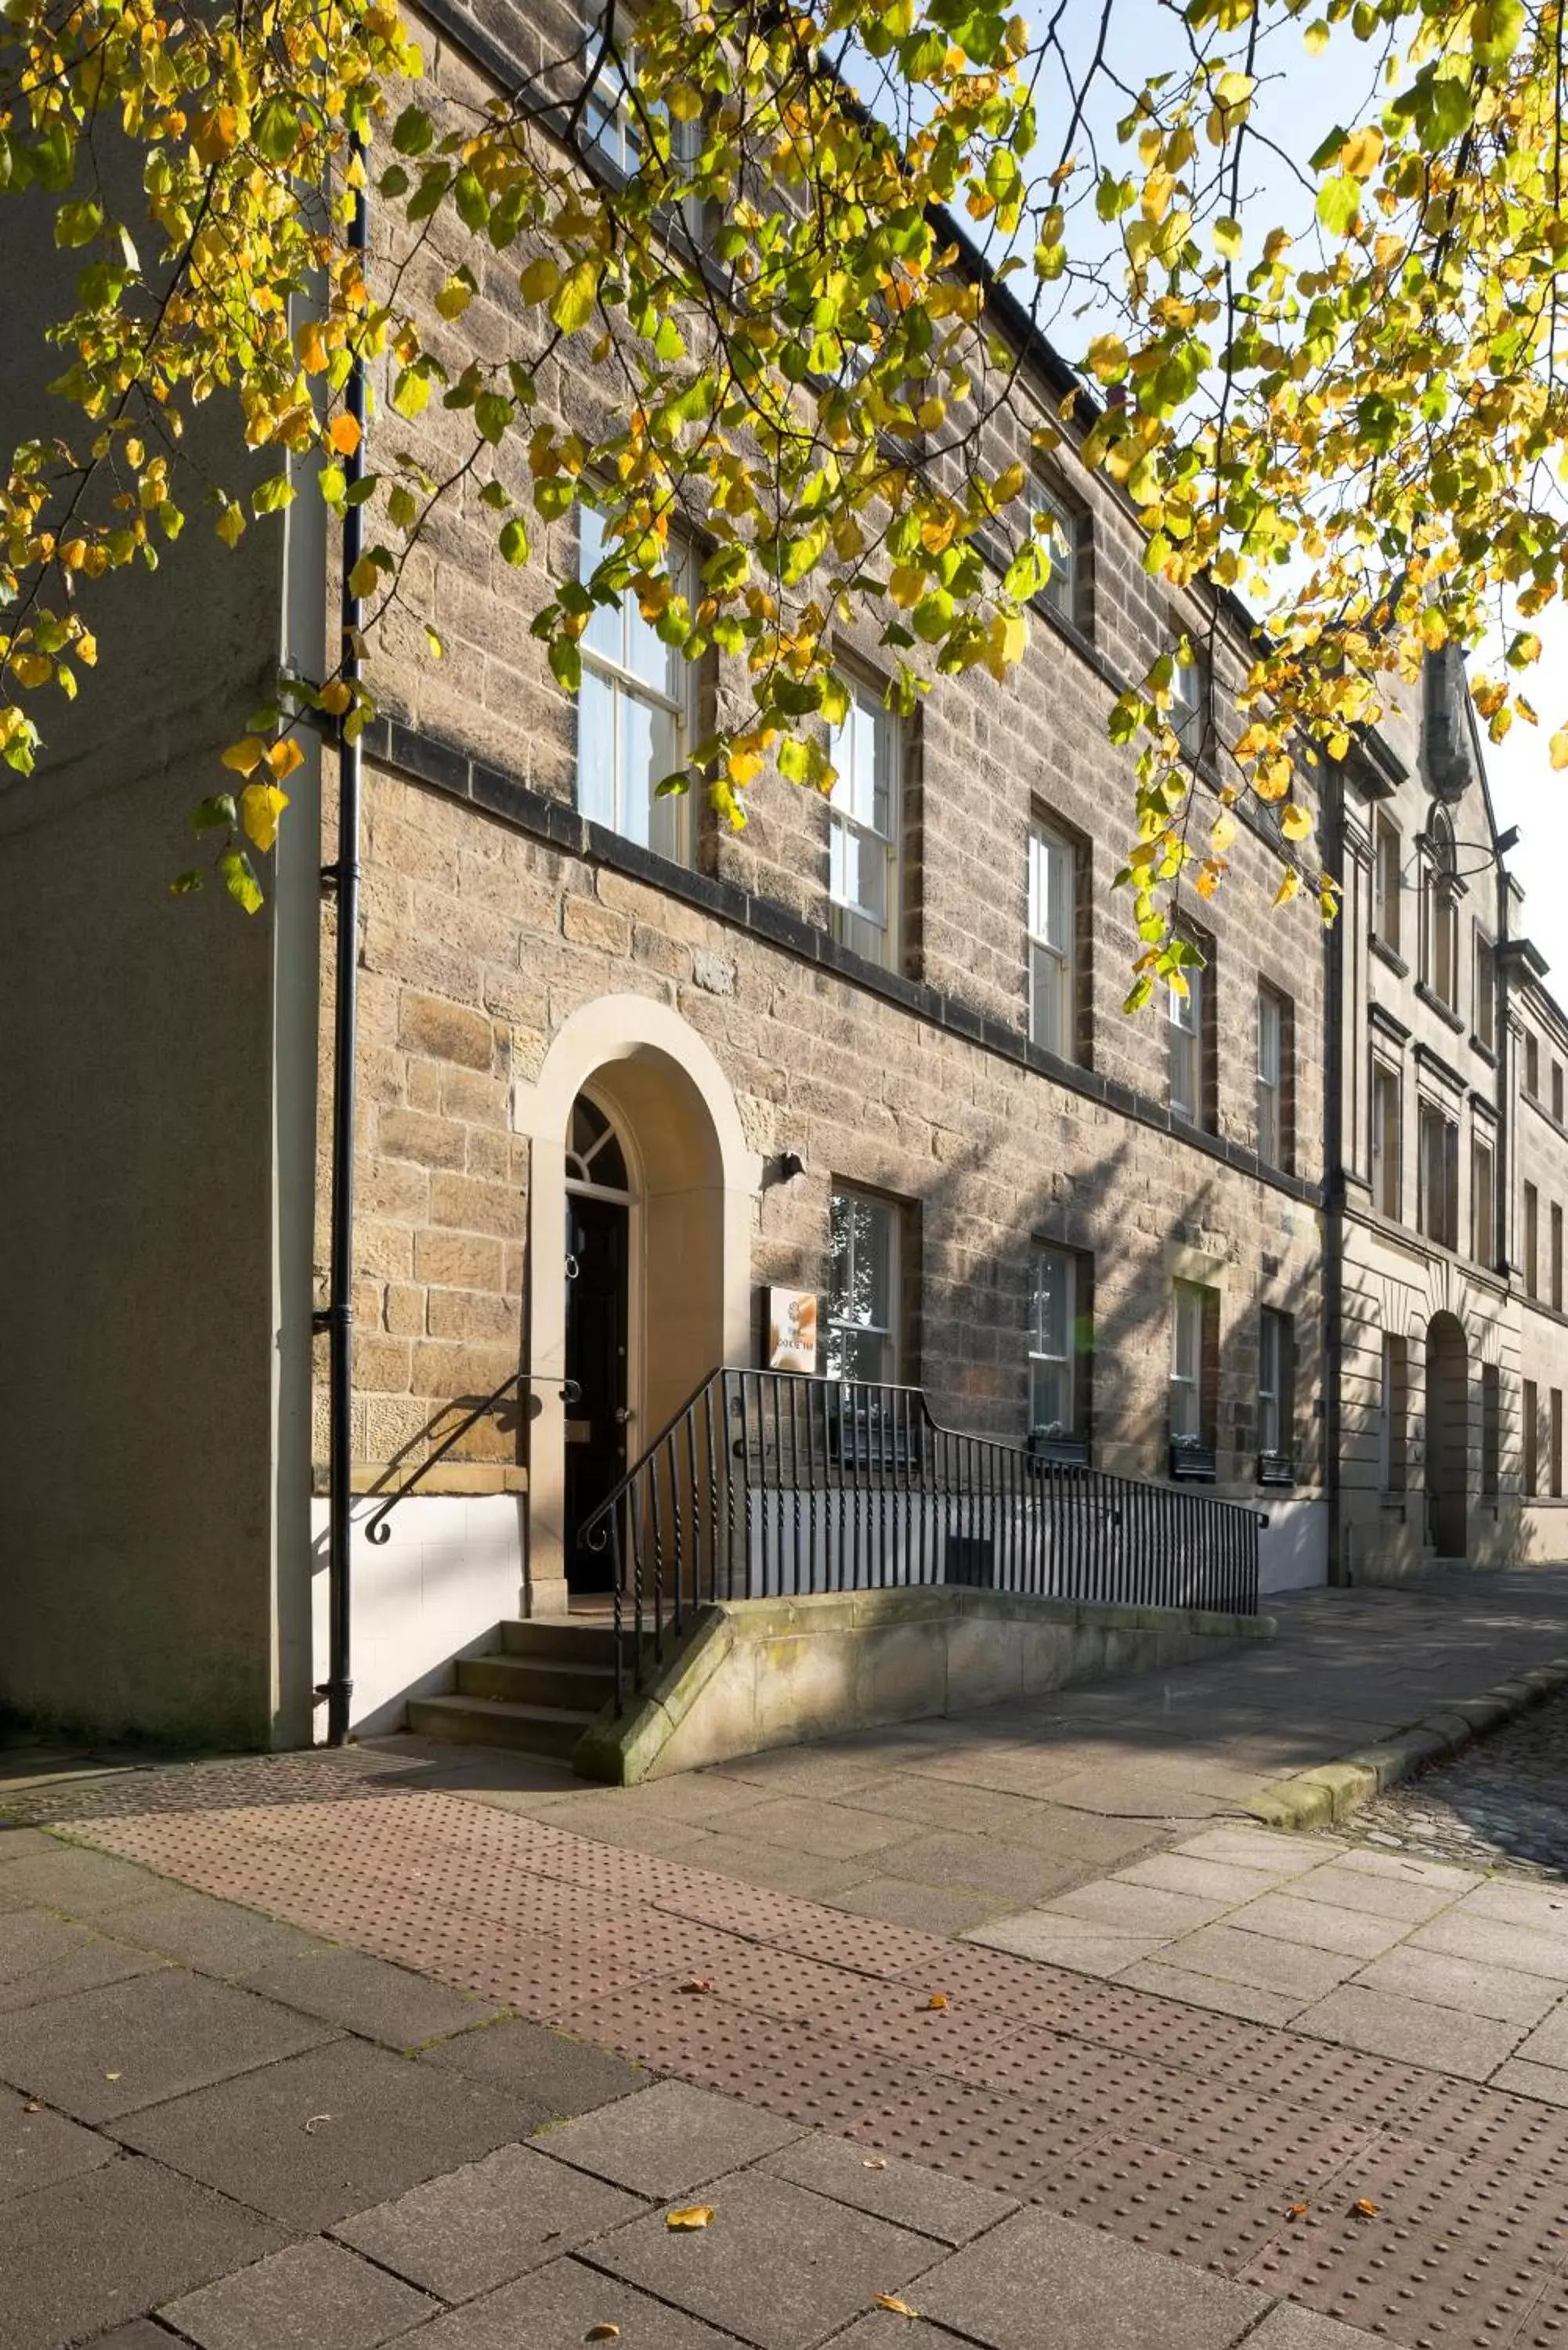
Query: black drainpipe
(342,880)
(1339,1569)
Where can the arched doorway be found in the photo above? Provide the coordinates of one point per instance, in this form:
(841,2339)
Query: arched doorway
(1447,1436)
(635,1143)
(601,1205)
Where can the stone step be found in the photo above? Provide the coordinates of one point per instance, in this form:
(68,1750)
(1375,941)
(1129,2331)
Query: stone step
(559,1639)
(551,1730)
(534,1680)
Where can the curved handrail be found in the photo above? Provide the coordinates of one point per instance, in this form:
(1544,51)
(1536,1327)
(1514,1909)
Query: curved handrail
(376,1530)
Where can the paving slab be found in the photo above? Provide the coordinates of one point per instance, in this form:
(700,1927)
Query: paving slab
(473,2229)
(1247,2000)
(38,2147)
(561,2305)
(819,1826)
(668,2140)
(1260,1960)
(1316,1925)
(372,1997)
(83,1884)
(311,2296)
(980,1864)
(1543,2081)
(19,1843)
(1288,2326)
(554,2076)
(779,2266)
(216,1938)
(320,2136)
(77,2258)
(1064,1941)
(1543,1907)
(1385,2025)
(1404,1868)
(141,2334)
(1223,1881)
(931,1908)
(45,1957)
(1463,1935)
(1409,1902)
(1043,2283)
(102,2054)
(1548,2043)
(1282,1856)
(1464,1983)
(1137,1908)
(932,2202)
(779,1867)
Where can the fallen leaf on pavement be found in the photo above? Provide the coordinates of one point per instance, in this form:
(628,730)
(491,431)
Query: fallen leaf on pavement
(891,2300)
(875,2162)
(1366,2207)
(314,2124)
(111,2076)
(691,2215)
(608,2332)
(697,1982)
(34,2106)
(938,1998)
(1298,2210)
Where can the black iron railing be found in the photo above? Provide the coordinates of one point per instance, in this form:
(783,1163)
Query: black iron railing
(376,1530)
(773,1484)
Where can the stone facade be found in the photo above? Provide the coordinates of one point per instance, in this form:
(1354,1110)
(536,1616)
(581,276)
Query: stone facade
(754,1064)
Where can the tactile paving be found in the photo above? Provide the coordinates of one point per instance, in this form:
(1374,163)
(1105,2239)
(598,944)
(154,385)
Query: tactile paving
(1174,2128)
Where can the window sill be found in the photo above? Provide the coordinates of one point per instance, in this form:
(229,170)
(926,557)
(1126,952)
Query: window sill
(1483,1051)
(1390,955)
(1445,1012)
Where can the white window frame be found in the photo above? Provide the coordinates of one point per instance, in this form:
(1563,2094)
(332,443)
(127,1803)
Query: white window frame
(1052,933)
(1053,1355)
(838,1325)
(1275,1341)
(1387,1169)
(851,817)
(1188,703)
(667,827)
(1484,987)
(1184,1047)
(1063,590)
(1271,1031)
(1189,1309)
(1388,882)
(1483,1201)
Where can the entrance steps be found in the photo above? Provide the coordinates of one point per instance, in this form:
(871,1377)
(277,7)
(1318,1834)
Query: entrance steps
(536,1691)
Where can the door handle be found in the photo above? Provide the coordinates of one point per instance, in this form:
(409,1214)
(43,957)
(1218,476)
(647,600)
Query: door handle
(622,1416)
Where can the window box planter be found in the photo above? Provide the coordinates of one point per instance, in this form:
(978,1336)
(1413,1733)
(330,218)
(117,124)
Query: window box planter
(1192,1463)
(1276,1469)
(1055,1450)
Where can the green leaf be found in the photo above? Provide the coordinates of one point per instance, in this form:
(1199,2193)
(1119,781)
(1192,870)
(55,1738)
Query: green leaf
(218,814)
(1338,204)
(575,298)
(472,203)
(239,881)
(77,224)
(514,541)
(413,133)
(566,663)
(274,134)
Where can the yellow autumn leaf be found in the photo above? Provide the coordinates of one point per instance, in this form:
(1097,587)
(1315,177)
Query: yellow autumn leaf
(1294,821)
(344,434)
(246,755)
(1222,832)
(215,135)
(1289,883)
(938,1998)
(895,2302)
(230,524)
(1557,749)
(310,346)
(1227,236)
(907,586)
(261,806)
(744,766)
(1315,38)
(689,2216)
(31,669)
(285,756)
(336,696)
(539,280)
(1107,357)
(1362,152)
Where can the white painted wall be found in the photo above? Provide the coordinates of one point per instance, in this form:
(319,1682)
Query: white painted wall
(450,1572)
(1292,1548)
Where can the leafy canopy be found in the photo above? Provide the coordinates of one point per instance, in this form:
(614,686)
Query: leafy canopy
(1329,383)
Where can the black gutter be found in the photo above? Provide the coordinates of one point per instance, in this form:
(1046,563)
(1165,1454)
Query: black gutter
(1334,1172)
(343,881)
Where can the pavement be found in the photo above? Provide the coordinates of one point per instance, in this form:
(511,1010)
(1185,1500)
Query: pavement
(335,2050)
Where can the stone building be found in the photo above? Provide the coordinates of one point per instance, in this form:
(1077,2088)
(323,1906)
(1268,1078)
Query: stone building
(623,1077)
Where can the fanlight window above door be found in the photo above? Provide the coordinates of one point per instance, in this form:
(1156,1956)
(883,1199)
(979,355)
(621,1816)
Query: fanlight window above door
(594,1155)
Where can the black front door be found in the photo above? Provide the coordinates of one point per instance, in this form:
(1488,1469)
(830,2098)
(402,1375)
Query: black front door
(597,1255)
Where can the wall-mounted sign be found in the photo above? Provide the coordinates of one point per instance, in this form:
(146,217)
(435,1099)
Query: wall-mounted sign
(792,1330)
